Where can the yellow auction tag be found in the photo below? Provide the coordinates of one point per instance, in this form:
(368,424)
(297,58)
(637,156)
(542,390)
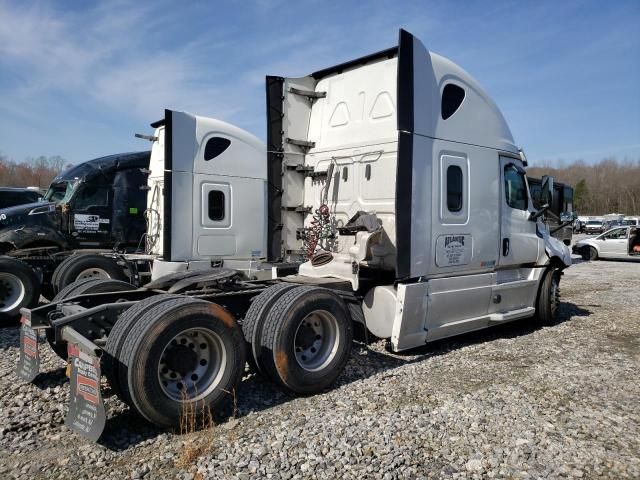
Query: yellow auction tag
(67,370)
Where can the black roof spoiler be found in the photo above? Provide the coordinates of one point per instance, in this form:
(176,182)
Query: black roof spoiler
(387,53)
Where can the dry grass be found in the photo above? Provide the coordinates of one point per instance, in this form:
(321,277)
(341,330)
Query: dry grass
(195,416)
(234,414)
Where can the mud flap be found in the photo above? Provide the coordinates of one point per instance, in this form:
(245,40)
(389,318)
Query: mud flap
(86,414)
(29,363)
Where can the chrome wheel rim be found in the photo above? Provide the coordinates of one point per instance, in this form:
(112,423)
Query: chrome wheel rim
(12,291)
(93,272)
(316,340)
(192,364)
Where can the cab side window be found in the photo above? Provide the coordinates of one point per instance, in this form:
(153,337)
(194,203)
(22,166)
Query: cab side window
(92,196)
(515,188)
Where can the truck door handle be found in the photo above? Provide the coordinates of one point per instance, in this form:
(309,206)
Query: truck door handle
(505,247)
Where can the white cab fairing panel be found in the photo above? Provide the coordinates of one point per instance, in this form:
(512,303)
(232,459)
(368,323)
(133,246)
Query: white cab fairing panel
(408,329)
(418,95)
(444,242)
(215,186)
(455,304)
(515,289)
(449,306)
(422,189)
(183,208)
(238,230)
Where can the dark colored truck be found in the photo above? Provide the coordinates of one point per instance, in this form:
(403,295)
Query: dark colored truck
(92,208)
(562,203)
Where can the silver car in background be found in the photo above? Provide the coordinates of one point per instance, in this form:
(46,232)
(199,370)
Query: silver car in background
(620,243)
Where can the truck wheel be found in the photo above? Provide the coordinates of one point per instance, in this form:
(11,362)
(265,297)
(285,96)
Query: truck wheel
(306,339)
(548,298)
(118,334)
(54,277)
(255,317)
(19,287)
(189,356)
(89,285)
(80,267)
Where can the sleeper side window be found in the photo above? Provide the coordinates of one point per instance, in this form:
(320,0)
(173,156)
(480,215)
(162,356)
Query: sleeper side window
(515,188)
(454,188)
(215,204)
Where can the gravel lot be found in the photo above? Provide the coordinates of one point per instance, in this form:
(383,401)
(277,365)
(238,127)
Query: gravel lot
(512,402)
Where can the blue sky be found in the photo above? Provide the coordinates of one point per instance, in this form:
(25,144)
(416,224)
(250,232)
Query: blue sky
(79,78)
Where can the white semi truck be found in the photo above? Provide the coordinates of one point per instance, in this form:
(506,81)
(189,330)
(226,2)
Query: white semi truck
(195,219)
(396,182)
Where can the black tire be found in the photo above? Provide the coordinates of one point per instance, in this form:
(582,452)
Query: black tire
(548,299)
(19,288)
(76,266)
(145,345)
(593,254)
(280,333)
(112,349)
(62,266)
(55,275)
(81,287)
(254,320)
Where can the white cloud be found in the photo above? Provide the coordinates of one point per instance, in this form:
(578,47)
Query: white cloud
(103,54)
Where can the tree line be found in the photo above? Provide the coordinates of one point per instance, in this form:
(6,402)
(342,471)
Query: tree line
(609,186)
(33,172)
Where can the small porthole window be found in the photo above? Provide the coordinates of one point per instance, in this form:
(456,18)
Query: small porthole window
(452,97)
(454,188)
(216,205)
(215,146)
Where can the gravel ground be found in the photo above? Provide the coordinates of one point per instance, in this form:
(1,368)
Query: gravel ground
(512,402)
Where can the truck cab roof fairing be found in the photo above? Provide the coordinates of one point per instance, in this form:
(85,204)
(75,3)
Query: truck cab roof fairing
(422,76)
